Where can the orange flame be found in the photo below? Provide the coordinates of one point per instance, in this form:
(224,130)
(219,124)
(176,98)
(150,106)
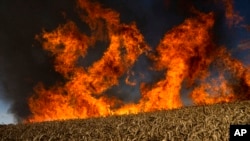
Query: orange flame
(184,52)
(233,17)
(220,90)
(175,53)
(217,92)
(78,98)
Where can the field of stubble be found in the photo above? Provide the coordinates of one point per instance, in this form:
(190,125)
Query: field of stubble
(189,124)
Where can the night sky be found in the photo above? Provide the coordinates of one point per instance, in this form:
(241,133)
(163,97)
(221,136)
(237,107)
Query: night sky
(23,62)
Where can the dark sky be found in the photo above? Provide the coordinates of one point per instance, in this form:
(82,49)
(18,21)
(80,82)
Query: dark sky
(23,63)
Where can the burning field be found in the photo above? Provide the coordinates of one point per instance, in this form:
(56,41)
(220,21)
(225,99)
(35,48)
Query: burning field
(210,123)
(186,56)
(169,70)
(109,65)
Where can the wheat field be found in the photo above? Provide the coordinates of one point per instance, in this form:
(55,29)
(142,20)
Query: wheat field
(194,123)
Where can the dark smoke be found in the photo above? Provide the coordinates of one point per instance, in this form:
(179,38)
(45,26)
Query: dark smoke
(24,63)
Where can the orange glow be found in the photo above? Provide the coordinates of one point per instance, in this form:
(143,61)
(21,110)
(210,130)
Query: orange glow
(183,53)
(215,92)
(221,90)
(232,16)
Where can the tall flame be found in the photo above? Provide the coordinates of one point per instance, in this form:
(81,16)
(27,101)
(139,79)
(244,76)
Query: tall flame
(185,53)
(176,53)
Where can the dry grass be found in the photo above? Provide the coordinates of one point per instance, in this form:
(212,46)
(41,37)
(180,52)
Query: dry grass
(190,123)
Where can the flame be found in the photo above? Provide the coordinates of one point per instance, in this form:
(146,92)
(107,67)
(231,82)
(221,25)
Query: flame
(233,17)
(175,53)
(217,91)
(82,95)
(184,53)
(221,90)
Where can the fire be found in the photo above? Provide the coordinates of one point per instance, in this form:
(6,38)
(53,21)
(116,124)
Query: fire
(233,17)
(82,95)
(216,92)
(184,53)
(175,53)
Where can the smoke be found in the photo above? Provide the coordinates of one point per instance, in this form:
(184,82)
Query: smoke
(25,64)
(23,61)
